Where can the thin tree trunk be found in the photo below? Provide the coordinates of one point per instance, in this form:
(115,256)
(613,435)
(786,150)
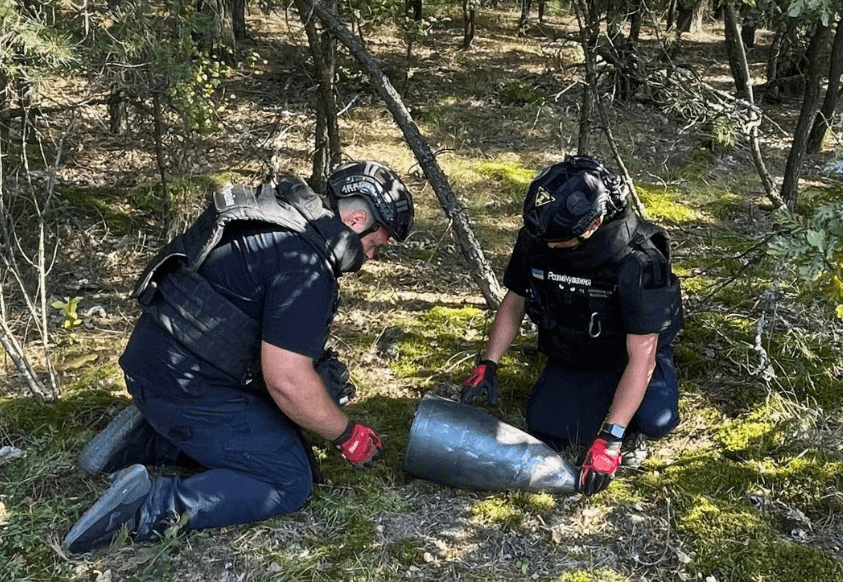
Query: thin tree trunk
(635,18)
(116,110)
(158,136)
(740,69)
(583,12)
(223,42)
(832,94)
(4,119)
(525,15)
(25,371)
(326,140)
(468,12)
(737,54)
(589,34)
(414,6)
(481,271)
(810,104)
(238,20)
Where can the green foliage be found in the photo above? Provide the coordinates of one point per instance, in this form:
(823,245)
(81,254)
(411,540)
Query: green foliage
(32,44)
(374,12)
(517,92)
(722,135)
(813,10)
(154,52)
(68,308)
(813,243)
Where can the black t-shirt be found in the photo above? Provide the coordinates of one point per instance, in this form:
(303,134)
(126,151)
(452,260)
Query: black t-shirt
(272,275)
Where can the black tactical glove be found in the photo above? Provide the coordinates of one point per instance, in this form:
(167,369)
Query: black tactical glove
(483,381)
(336,378)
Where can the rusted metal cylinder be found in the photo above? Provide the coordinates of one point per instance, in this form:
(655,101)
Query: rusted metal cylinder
(461,446)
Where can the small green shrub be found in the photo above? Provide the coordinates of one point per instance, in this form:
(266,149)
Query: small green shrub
(520,93)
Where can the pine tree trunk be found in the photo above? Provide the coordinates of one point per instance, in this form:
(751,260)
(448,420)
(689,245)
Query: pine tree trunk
(832,94)
(810,104)
(223,42)
(737,56)
(589,36)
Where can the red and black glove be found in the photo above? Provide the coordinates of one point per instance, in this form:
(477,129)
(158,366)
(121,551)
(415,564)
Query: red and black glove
(483,381)
(597,471)
(359,445)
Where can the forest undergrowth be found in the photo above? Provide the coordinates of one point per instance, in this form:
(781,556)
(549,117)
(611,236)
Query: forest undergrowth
(749,488)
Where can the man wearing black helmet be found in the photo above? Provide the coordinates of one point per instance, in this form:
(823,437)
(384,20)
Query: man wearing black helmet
(596,281)
(225,362)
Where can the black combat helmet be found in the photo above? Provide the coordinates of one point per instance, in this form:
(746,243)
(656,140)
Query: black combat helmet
(388,197)
(566,198)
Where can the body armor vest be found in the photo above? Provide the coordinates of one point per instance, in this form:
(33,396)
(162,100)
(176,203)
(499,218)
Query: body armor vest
(190,309)
(578,310)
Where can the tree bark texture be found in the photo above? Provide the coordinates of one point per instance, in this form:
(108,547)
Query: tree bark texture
(635,17)
(832,94)
(238,19)
(810,104)
(481,271)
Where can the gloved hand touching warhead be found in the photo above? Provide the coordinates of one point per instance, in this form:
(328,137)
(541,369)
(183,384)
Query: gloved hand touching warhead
(359,445)
(483,381)
(601,461)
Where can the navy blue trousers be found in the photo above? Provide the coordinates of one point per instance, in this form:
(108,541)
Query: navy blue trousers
(568,405)
(255,464)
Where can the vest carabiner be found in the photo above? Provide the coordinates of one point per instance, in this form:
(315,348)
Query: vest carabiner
(591,325)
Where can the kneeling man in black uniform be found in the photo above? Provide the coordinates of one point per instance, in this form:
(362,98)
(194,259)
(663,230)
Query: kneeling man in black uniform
(225,362)
(596,281)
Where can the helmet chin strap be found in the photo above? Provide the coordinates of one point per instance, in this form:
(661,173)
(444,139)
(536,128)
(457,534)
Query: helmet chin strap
(374,228)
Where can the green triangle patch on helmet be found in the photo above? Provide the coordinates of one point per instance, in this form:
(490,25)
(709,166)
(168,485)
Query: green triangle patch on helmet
(388,197)
(568,197)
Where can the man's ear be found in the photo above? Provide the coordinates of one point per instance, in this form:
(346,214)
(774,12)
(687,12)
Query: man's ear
(356,220)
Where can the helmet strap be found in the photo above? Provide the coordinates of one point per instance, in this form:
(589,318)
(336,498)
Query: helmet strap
(375,227)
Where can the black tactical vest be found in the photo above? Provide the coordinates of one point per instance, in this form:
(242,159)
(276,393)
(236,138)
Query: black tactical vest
(187,306)
(578,310)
